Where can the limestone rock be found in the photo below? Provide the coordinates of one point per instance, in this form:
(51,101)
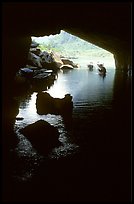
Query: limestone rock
(69,62)
(56,58)
(34,60)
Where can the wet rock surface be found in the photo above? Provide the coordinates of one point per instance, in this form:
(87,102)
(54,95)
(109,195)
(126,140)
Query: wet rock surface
(42,136)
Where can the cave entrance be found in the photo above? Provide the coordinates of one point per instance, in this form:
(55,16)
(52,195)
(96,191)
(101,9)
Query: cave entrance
(76,49)
(91,95)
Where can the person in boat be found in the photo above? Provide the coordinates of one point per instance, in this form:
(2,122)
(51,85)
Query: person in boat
(102,69)
(90,66)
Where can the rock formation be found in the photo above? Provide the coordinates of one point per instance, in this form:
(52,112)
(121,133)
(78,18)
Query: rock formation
(46,104)
(42,136)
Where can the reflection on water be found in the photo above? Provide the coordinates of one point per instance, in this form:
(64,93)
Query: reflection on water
(92,94)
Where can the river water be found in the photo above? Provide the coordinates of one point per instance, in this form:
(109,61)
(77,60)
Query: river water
(84,139)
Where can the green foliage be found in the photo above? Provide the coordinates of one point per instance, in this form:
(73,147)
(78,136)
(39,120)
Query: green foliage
(69,45)
(49,47)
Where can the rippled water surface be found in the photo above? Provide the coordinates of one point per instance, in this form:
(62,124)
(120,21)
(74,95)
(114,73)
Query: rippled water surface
(92,96)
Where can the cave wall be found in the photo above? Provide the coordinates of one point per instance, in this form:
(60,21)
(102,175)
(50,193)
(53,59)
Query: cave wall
(14,56)
(107,25)
(123,60)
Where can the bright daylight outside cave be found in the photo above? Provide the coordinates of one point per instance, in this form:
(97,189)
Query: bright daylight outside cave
(72,47)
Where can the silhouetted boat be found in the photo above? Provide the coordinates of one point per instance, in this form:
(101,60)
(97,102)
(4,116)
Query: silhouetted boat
(90,66)
(102,69)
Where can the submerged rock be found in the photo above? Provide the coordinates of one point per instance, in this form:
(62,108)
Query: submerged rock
(42,136)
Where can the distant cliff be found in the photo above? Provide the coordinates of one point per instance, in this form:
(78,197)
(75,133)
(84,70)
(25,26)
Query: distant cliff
(67,44)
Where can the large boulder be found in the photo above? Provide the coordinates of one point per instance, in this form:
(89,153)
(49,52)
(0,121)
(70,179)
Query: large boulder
(34,60)
(50,66)
(48,62)
(56,58)
(46,104)
(69,62)
(34,44)
(46,57)
(42,136)
(36,51)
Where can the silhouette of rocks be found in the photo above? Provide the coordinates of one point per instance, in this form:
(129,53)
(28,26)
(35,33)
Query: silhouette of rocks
(42,136)
(69,62)
(47,104)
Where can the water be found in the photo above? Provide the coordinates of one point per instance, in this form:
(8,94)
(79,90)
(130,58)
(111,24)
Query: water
(90,92)
(89,141)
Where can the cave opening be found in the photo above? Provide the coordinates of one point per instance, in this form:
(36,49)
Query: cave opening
(72,47)
(69,49)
